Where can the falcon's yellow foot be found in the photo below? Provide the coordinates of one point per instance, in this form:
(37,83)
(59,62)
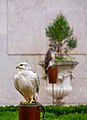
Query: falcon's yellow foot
(31,101)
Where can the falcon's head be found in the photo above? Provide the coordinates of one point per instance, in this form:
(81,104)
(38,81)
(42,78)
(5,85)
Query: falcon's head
(24,66)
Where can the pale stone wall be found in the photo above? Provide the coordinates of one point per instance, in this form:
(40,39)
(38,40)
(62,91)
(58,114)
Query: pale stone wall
(22,38)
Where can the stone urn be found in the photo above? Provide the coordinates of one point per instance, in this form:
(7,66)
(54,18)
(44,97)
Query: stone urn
(65,75)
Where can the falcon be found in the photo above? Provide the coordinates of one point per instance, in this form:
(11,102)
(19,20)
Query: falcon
(27,82)
(49,58)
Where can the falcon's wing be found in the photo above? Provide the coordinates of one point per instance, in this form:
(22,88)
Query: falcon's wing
(48,57)
(47,60)
(35,82)
(19,78)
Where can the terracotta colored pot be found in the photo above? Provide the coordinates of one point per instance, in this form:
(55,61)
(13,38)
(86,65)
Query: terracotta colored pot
(52,74)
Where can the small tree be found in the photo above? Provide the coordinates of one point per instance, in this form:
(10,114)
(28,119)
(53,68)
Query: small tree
(61,36)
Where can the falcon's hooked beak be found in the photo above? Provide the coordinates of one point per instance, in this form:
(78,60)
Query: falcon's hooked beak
(17,67)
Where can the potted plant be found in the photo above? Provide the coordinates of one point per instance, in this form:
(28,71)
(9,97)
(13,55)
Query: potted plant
(62,39)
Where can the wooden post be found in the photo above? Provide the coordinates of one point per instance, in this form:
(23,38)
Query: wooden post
(29,112)
(52,76)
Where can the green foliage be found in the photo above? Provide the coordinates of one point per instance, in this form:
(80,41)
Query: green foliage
(73,116)
(58,59)
(52,113)
(59,29)
(61,35)
(60,110)
(9,108)
(64,59)
(9,115)
(72,43)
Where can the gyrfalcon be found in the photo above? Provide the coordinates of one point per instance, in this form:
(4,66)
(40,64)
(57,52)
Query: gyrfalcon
(27,82)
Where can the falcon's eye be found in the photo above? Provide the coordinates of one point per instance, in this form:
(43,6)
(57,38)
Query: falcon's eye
(21,65)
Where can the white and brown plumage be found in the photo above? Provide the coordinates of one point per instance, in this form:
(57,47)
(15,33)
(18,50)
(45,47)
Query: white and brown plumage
(26,82)
(49,59)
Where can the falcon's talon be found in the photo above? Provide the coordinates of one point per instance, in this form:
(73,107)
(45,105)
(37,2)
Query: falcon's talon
(31,101)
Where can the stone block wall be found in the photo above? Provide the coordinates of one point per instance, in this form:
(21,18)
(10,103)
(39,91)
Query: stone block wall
(22,38)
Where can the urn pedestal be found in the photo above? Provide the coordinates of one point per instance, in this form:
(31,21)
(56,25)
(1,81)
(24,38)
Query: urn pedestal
(65,75)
